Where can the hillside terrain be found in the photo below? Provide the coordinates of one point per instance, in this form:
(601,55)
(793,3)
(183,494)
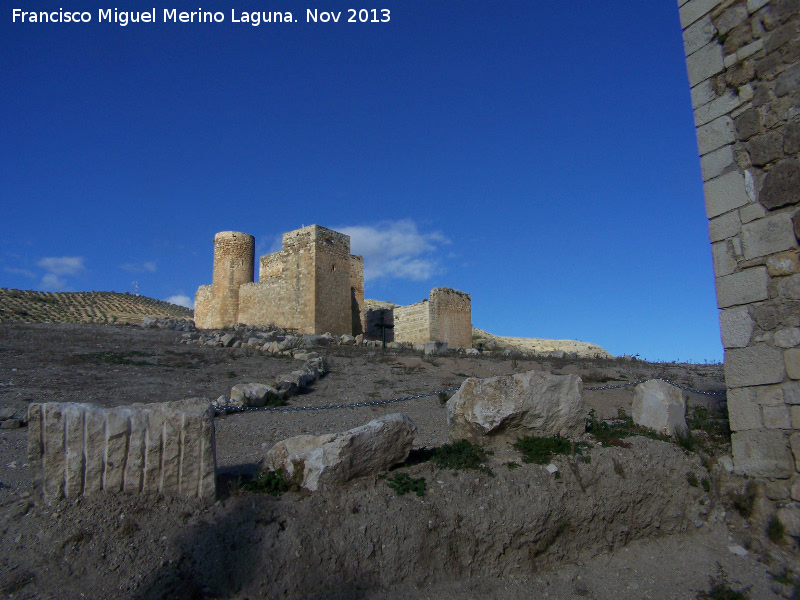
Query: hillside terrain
(28,306)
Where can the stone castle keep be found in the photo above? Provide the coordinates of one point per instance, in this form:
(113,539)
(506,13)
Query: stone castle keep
(314,285)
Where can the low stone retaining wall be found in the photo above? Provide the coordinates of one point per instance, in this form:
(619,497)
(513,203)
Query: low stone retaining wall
(81,449)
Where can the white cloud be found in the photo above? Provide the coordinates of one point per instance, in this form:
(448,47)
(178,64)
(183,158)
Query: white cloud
(16,271)
(62,265)
(145,267)
(56,268)
(181,300)
(396,250)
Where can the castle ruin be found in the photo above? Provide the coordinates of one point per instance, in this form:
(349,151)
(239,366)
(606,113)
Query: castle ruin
(314,285)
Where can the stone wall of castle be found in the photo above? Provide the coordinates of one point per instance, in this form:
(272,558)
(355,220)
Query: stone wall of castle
(451,317)
(412,323)
(742,61)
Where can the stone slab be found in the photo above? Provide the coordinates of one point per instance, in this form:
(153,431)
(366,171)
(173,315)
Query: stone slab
(760,364)
(744,287)
(762,453)
(81,449)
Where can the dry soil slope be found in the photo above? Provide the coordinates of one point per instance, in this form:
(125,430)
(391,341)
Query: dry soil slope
(538,345)
(83,307)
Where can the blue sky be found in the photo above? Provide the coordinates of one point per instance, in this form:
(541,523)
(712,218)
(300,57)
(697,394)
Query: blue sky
(540,156)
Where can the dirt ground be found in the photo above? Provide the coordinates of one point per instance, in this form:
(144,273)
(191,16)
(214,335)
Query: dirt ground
(624,523)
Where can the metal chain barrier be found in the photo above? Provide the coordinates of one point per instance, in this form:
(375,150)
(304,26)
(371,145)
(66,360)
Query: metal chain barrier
(672,383)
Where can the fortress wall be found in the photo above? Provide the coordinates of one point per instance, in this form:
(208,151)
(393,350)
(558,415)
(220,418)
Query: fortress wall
(332,297)
(451,317)
(357,312)
(742,61)
(204,308)
(80,449)
(412,323)
(270,265)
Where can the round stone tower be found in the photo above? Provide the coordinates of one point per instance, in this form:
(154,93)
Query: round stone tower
(234,257)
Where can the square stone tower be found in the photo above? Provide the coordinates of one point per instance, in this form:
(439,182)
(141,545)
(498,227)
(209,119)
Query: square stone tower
(313,285)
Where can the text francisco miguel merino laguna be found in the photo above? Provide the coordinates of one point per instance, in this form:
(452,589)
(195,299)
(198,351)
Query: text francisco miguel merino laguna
(172,15)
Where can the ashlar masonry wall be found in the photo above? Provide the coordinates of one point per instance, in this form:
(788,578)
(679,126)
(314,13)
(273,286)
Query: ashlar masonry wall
(742,61)
(451,317)
(217,305)
(412,323)
(446,317)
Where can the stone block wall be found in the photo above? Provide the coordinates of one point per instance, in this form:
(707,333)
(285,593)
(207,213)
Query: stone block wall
(451,317)
(333,310)
(742,61)
(375,313)
(412,323)
(80,449)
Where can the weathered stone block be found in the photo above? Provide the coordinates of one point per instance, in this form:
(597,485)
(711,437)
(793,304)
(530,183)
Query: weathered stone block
(765,148)
(660,407)
(716,163)
(718,105)
(531,403)
(782,184)
(748,124)
(794,413)
(761,364)
(724,258)
(754,5)
(335,458)
(791,392)
(698,35)
(776,417)
(80,449)
(736,326)
(725,193)
(702,94)
(781,265)
(724,227)
(744,412)
(794,442)
(731,17)
(792,360)
(789,516)
(762,454)
(767,236)
(788,81)
(695,9)
(716,134)
(787,338)
(744,287)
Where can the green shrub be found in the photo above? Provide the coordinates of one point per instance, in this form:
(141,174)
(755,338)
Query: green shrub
(268,482)
(402,483)
(539,449)
(745,502)
(462,454)
(775,530)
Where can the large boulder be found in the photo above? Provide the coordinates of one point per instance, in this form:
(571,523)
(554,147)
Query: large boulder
(659,406)
(506,407)
(336,458)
